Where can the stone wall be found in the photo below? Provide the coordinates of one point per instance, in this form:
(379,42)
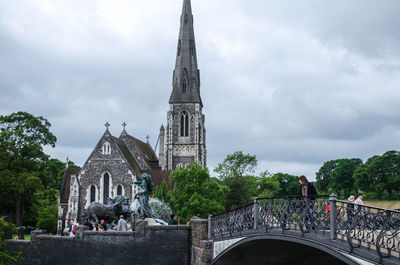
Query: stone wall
(201,253)
(149,245)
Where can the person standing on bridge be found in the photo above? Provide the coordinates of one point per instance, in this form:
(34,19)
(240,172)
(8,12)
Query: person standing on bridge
(307,189)
(308,193)
(360,199)
(350,210)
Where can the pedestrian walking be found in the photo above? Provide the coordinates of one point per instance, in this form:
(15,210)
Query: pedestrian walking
(122,225)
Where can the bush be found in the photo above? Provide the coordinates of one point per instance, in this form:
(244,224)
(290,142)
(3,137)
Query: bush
(7,257)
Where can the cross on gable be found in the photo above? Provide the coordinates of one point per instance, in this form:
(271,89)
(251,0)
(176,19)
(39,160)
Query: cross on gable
(147,137)
(124,125)
(107,125)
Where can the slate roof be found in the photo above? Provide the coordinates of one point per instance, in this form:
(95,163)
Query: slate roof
(127,154)
(158,176)
(64,190)
(147,152)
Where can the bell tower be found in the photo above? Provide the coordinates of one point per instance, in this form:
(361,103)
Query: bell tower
(185,140)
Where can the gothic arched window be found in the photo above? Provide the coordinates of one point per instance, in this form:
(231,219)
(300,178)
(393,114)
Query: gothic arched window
(119,190)
(92,193)
(106,149)
(106,186)
(184,86)
(184,124)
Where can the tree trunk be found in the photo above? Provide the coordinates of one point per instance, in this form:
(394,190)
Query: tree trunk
(18,217)
(390,195)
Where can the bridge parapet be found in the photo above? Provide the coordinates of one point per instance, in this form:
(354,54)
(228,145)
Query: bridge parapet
(360,230)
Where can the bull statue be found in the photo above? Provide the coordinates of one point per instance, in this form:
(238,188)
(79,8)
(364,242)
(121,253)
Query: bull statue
(117,206)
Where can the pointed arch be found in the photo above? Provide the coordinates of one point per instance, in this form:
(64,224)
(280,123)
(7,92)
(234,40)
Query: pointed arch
(106,185)
(119,190)
(92,193)
(184,124)
(185,81)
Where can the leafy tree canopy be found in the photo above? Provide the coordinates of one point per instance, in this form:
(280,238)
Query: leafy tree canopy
(195,192)
(288,184)
(235,172)
(236,165)
(22,138)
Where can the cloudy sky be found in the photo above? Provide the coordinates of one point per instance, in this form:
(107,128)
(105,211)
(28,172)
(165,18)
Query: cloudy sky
(296,83)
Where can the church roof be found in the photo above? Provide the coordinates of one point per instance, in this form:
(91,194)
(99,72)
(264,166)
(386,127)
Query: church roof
(146,152)
(128,155)
(64,191)
(158,176)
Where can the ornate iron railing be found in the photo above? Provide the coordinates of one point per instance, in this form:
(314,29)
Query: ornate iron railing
(293,213)
(353,225)
(369,227)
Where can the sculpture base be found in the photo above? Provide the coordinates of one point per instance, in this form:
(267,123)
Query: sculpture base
(151,222)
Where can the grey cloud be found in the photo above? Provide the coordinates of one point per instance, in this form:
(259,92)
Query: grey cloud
(296,83)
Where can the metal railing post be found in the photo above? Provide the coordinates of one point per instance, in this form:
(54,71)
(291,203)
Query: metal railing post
(332,209)
(255,214)
(209,227)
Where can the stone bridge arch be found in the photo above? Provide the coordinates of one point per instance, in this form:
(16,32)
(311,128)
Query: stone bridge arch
(281,250)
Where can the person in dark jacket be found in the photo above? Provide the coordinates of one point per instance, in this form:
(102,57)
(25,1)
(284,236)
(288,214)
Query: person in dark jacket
(88,224)
(308,193)
(307,189)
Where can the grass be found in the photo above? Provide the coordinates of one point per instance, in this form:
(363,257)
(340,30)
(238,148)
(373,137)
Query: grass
(384,204)
(26,237)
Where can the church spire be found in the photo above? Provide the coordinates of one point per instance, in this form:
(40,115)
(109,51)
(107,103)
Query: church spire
(186,77)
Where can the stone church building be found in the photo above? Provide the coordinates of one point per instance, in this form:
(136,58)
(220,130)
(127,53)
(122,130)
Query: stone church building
(117,161)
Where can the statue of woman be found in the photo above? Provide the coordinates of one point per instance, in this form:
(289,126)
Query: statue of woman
(146,187)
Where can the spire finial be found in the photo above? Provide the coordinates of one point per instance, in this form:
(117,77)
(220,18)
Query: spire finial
(107,125)
(124,125)
(147,137)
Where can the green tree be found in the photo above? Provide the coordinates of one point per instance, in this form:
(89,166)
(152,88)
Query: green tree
(22,138)
(363,180)
(236,172)
(288,184)
(268,185)
(195,192)
(342,182)
(52,172)
(324,175)
(236,165)
(337,176)
(242,190)
(380,174)
(7,257)
(47,211)
(391,170)
(161,192)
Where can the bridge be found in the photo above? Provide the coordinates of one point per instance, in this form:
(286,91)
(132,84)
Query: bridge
(293,230)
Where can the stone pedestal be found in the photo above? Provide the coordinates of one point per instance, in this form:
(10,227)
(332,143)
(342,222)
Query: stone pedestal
(140,227)
(80,229)
(201,253)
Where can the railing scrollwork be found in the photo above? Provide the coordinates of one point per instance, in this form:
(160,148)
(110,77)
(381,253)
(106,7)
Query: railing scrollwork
(354,225)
